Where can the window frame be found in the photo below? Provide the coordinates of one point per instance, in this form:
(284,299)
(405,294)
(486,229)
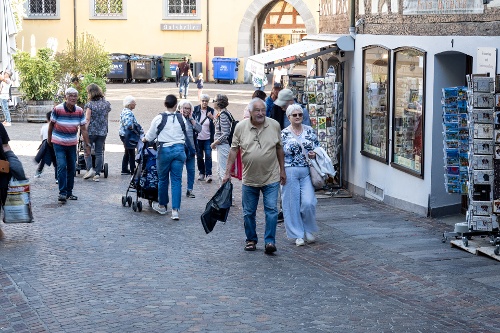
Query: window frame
(396,165)
(167,16)
(93,15)
(364,152)
(29,16)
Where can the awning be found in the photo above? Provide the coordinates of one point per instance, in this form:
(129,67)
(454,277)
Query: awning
(325,43)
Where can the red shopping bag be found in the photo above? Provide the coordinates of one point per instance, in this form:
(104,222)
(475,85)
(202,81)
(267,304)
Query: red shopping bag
(237,169)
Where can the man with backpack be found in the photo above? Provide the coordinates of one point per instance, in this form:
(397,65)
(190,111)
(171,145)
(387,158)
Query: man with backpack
(170,129)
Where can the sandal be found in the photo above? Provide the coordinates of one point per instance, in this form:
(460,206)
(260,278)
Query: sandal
(270,248)
(250,246)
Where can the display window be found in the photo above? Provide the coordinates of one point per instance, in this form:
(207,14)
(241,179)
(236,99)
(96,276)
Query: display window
(409,110)
(375,119)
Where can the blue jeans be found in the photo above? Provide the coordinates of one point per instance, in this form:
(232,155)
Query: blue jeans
(66,166)
(204,165)
(5,109)
(190,172)
(250,199)
(169,163)
(184,85)
(98,141)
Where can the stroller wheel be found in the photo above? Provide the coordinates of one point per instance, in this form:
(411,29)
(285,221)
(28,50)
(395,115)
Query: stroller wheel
(124,200)
(105,170)
(129,200)
(134,206)
(139,206)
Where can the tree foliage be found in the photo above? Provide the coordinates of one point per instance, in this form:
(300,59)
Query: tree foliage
(89,57)
(83,84)
(37,75)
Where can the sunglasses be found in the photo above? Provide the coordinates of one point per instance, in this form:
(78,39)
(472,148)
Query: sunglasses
(300,115)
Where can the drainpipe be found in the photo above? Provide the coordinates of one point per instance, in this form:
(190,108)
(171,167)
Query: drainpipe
(74,29)
(352,19)
(207,50)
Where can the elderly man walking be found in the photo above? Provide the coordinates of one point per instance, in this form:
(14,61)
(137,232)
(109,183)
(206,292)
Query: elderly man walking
(63,136)
(259,139)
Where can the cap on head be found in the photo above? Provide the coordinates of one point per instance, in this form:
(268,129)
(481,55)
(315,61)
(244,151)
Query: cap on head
(284,96)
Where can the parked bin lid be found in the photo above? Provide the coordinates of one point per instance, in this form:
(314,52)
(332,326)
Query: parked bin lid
(119,56)
(221,59)
(176,55)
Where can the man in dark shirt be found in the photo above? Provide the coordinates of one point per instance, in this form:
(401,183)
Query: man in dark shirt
(184,78)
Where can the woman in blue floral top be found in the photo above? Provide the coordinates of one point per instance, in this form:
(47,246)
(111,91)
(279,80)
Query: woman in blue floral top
(127,120)
(96,113)
(298,140)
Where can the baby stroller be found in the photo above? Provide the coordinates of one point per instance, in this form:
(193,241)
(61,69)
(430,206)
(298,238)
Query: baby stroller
(144,181)
(80,159)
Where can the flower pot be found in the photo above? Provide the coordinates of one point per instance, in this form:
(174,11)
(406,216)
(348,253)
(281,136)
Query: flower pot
(36,111)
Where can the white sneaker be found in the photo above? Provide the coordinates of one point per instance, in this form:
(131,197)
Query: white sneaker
(89,174)
(310,237)
(175,214)
(6,123)
(161,210)
(209,179)
(201,177)
(38,174)
(96,178)
(299,242)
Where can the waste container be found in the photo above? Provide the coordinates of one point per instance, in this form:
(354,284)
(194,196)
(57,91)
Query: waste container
(225,69)
(120,70)
(143,68)
(160,70)
(170,63)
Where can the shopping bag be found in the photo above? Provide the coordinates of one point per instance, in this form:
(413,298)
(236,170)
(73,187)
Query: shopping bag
(17,207)
(237,169)
(217,209)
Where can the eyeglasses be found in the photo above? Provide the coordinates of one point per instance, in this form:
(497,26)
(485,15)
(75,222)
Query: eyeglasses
(300,115)
(257,139)
(204,100)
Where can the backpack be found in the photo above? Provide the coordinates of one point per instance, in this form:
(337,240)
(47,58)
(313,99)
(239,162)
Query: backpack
(190,151)
(233,125)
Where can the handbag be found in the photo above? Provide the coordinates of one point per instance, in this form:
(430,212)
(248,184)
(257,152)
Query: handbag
(132,137)
(317,180)
(4,166)
(17,207)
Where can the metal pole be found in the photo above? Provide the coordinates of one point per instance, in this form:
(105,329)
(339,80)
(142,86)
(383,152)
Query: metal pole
(74,29)
(207,51)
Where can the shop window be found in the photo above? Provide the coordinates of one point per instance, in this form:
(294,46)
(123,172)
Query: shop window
(108,9)
(42,9)
(375,119)
(181,9)
(409,111)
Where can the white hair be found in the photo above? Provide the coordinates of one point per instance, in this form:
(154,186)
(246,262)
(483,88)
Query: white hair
(70,91)
(128,100)
(254,101)
(293,107)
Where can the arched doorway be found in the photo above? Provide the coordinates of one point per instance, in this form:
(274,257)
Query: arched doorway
(253,19)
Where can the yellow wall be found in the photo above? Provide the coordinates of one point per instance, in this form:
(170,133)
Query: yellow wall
(140,32)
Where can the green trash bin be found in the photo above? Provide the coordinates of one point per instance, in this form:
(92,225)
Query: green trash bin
(170,63)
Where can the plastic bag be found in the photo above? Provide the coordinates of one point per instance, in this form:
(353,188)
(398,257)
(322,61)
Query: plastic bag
(217,209)
(17,208)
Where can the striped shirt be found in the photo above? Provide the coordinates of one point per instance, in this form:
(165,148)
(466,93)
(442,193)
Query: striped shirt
(66,124)
(222,126)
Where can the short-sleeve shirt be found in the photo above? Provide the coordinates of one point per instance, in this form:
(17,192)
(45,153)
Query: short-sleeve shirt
(99,110)
(66,124)
(258,151)
(183,68)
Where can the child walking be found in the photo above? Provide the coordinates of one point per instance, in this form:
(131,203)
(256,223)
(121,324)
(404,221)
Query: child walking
(46,154)
(199,85)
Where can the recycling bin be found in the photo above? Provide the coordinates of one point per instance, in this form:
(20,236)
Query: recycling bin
(160,70)
(120,68)
(225,69)
(143,68)
(170,63)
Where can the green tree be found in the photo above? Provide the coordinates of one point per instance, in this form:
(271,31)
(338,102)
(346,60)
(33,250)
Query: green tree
(83,84)
(88,57)
(37,75)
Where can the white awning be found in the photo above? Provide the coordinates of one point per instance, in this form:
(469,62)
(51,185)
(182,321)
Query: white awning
(256,64)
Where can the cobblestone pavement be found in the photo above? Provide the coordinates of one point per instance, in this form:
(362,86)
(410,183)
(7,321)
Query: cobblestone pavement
(94,266)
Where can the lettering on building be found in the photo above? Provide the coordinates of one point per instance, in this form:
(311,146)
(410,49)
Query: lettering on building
(421,7)
(333,7)
(181,27)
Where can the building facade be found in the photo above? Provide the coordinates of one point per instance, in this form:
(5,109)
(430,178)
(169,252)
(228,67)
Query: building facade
(203,29)
(405,53)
